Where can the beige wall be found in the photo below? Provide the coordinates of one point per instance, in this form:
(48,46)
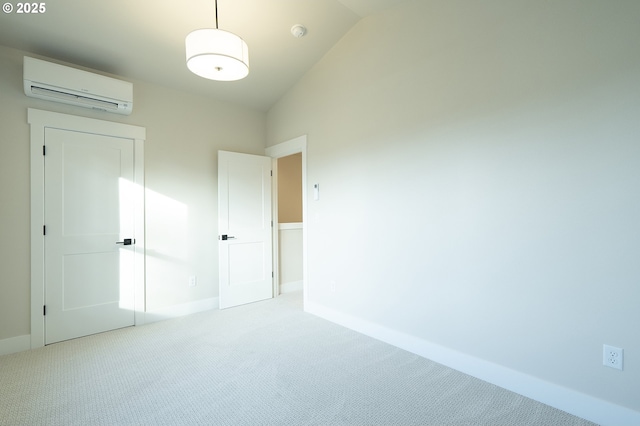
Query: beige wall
(184,133)
(290,188)
(479,172)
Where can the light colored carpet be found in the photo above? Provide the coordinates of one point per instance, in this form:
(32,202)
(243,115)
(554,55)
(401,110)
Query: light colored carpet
(267,363)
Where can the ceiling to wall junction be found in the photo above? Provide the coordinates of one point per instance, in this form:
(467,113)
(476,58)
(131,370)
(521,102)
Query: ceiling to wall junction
(144,39)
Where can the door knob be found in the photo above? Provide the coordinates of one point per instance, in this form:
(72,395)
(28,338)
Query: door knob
(126,242)
(226,237)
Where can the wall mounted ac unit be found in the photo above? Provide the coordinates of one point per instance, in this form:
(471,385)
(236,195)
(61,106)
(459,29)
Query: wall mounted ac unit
(58,83)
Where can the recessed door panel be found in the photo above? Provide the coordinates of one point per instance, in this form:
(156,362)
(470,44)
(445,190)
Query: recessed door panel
(245,263)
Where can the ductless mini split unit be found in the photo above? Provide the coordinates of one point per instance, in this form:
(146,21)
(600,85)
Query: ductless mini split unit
(58,83)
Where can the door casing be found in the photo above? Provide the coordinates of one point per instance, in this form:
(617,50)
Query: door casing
(38,121)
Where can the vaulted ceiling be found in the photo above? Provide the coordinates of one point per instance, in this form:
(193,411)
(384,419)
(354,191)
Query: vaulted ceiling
(144,39)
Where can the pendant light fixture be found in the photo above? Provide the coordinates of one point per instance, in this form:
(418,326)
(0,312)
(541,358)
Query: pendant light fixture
(216,54)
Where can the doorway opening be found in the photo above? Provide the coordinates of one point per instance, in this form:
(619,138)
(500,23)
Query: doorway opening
(289,230)
(290,223)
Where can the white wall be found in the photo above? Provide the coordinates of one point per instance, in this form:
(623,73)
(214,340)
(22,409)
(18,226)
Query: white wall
(479,165)
(290,246)
(184,133)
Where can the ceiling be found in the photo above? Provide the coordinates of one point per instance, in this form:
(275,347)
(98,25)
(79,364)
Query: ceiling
(144,39)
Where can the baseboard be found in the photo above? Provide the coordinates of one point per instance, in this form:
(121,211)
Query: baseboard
(181,310)
(23,343)
(570,401)
(290,287)
(15,344)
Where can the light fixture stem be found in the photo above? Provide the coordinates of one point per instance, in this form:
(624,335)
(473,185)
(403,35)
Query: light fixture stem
(216,14)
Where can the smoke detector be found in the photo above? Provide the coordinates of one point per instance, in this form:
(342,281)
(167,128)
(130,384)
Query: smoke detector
(298,30)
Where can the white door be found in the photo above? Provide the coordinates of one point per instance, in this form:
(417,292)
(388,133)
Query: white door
(89,214)
(244,228)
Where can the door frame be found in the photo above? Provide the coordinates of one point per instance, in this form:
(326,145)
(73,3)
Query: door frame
(290,147)
(39,120)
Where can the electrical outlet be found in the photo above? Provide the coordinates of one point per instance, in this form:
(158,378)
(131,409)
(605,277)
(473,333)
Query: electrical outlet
(193,281)
(612,357)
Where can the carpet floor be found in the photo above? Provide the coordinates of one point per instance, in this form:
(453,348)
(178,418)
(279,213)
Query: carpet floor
(267,363)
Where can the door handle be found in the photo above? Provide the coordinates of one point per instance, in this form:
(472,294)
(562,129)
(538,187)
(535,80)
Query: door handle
(126,242)
(225,237)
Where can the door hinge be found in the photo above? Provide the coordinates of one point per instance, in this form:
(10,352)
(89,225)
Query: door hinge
(44,150)
(44,310)
(44,229)
(271,172)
